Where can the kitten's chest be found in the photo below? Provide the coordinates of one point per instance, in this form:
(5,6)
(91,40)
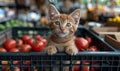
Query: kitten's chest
(62,46)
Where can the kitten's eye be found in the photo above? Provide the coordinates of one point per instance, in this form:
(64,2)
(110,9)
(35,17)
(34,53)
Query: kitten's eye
(68,25)
(57,23)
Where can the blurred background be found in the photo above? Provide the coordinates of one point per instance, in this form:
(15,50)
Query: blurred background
(33,13)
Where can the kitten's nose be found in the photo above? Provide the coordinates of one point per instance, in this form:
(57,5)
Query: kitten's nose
(62,29)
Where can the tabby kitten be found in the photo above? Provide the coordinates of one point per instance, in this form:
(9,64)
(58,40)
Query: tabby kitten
(63,27)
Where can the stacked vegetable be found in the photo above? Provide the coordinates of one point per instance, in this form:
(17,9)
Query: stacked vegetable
(85,45)
(25,44)
(37,43)
(13,23)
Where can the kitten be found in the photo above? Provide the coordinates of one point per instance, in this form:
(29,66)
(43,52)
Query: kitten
(63,27)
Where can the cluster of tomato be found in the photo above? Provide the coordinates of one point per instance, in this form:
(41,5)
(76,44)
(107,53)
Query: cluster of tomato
(37,43)
(17,68)
(85,45)
(25,44)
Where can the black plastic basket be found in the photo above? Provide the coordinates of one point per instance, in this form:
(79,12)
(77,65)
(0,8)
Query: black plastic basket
(107,59)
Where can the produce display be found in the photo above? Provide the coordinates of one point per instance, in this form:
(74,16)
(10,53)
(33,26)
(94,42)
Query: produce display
(116,19)
(72,45)
(37,43)
(13,23)
(44,21)
(86,45)
(25,44)
(85,68)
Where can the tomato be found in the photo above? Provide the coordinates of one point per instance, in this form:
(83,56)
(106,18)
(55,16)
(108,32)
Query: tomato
(19,42)
(3,49)
(25,48)
(16,69)
(38,46)
(25,38)
(9,43)
(84,68)
(77,68)
(89,39)
(5,68)
(14,50)
(93,49)
(27,62)
(4,62)
(44,41)
(38,37)
(27,68)
(16,62)
(30,41)
(81,44)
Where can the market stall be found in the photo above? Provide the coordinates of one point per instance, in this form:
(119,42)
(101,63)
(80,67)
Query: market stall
(59,35)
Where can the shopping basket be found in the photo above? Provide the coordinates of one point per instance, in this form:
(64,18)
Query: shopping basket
(106,59)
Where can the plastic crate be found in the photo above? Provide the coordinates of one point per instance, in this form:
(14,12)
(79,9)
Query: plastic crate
(107,58)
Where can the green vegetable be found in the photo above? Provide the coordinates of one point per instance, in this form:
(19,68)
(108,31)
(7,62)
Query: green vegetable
(24,24)
(8,25)
(2,27)
(19,33)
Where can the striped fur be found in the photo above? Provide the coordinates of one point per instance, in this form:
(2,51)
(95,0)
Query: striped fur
(62,38)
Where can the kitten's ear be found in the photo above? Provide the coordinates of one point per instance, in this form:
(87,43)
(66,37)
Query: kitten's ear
(76,15)
(52,12)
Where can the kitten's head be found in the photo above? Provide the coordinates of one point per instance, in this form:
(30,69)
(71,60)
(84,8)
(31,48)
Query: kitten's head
(63,25)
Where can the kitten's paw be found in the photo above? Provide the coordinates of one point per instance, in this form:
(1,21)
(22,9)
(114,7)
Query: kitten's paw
(71,50)
(51,50)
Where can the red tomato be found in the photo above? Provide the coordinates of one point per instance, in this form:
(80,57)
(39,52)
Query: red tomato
(38,46)
(38,37)
(93,49)
(5,68)
(19,42)
(4,62)
(27,62)
(81,44)
(3,49)
(9,43)
(16,62)
(16,69)
(77,68)
(89,39)
(14,50)
(30,41)
(44,41)
(84,68)
(25,38)
(25,48)
(27,68)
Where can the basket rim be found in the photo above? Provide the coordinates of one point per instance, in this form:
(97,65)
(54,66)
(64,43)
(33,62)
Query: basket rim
(112,53)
